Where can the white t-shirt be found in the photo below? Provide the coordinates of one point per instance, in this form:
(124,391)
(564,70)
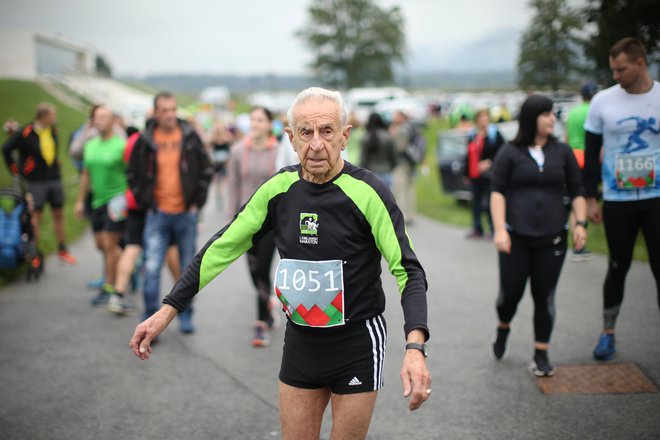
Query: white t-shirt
(630,126)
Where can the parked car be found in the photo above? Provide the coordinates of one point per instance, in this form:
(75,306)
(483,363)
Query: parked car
(452,149)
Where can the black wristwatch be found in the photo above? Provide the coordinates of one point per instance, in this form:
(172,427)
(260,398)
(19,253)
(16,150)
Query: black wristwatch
(584,224)
(420,347)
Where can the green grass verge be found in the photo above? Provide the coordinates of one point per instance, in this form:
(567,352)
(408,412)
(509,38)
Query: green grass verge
(432,202)
(18,100)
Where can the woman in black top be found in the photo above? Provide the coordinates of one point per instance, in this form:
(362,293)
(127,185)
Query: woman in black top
(531,177)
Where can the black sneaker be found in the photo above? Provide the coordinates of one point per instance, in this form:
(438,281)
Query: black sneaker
(541,365)
(499,343)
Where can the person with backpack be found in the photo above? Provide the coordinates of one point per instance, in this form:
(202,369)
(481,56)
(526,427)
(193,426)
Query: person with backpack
(482,145)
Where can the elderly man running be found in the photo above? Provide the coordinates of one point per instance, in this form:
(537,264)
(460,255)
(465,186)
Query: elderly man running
(332,222)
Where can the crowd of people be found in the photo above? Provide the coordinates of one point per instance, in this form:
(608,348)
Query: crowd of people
(331,222)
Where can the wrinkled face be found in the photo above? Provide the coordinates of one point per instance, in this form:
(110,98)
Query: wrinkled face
(165,113)
(260,125)
(545,123)
(103,119)
(627,73)
(318,137)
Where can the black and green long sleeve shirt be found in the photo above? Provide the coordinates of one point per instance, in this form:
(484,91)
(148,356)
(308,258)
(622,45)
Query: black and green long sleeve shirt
(330,238)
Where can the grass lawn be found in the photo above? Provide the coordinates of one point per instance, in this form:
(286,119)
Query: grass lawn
(434,203)
(18,100)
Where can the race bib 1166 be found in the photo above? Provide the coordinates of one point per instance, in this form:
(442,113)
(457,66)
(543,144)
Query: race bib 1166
(312,292)
(634,171)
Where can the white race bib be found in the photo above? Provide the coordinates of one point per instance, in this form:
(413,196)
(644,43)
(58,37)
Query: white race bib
(312,292)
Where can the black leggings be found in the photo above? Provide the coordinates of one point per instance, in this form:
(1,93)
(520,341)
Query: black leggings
(541,261)
(260,257)
(622,222)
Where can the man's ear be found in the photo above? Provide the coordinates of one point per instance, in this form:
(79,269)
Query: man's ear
(289,133)
(346,133)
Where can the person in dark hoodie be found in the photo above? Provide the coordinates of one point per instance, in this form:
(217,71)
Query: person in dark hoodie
(169,173)
(38,163)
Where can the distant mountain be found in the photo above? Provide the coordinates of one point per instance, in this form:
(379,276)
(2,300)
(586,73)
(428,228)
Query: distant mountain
(194,84)
(496,51)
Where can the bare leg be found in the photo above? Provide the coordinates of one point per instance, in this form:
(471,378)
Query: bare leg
(351,415)
(58,223)
(126,265)
(301,412)
(172,257)
(112,251)
(36,222)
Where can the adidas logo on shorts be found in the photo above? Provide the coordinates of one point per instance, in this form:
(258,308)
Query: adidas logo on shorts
(354,381)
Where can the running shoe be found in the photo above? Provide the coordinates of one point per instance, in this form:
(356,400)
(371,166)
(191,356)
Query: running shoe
(583,254)
(605,348)
(499,343)
(541,366)
(121,305)
(66,257)
(101,298)
(261,337)
(474,235)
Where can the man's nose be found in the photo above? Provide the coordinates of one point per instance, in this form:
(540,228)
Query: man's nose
(316,142)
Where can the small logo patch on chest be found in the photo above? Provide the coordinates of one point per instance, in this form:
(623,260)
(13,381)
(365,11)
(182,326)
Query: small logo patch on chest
(309,228)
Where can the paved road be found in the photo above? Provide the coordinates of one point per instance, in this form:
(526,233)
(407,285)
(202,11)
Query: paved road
(67,373)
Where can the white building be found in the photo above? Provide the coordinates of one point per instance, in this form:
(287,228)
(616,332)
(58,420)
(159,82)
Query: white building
(27,54)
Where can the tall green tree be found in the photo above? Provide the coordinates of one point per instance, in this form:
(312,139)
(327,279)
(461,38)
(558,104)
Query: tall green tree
(550,46)
(616,19)
(355,42)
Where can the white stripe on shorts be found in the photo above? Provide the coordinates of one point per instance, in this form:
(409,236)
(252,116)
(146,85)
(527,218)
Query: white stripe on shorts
(378,335)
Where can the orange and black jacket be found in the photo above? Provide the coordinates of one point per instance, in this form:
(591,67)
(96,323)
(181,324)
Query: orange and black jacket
(31,163)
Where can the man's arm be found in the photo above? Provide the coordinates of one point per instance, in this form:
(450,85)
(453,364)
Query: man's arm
(7,150)
(79,207)
(592,173)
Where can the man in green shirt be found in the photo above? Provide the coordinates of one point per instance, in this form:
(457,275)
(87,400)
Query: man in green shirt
(104,173)
(575,139)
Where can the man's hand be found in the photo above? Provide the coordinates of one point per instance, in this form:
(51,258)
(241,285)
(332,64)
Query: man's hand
(594,212)
(78,210)
(416,379)
(147,331)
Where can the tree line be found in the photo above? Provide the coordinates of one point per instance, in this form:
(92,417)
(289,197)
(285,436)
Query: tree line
(357,42)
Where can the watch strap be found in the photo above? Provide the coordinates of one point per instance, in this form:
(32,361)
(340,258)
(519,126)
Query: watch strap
(416,346)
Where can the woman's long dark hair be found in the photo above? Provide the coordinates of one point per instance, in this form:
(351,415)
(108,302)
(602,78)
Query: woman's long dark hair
(374,124)
(530,110)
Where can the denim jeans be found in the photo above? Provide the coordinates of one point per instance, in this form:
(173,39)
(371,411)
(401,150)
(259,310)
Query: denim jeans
(480,203)
(160,227)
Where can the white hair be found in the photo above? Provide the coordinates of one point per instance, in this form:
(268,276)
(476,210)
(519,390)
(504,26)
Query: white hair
(318,93)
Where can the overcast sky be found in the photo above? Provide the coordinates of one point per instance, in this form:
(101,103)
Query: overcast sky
(141,37)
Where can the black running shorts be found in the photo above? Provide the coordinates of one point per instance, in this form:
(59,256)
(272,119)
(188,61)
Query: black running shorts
(101,221)
(134,230)
(43,191)
(346,359)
